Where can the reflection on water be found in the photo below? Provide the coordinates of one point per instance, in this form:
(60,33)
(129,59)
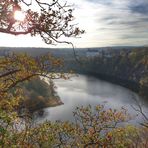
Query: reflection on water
(83,90)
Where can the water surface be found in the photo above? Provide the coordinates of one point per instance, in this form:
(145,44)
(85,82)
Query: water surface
(85,90)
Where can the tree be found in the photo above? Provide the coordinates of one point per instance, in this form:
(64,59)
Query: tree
(51,21)
(99,127)
(17,68)
(92,128)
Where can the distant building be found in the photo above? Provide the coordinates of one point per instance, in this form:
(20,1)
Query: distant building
(92,53)
(108,55)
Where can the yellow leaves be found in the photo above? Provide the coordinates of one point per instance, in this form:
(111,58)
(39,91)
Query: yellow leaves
(123,136)
(5,105)
(92,125)
(98,108)
(69,134)
(22,67)
(57,62)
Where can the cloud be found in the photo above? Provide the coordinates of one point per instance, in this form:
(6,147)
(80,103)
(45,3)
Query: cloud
(106,22)
(104,2)
(139,6)
(142,8)
(122,22)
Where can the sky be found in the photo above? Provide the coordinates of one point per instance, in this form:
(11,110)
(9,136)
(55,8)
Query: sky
(106,22)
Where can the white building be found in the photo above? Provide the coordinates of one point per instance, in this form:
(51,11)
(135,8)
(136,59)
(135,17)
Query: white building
(92,53)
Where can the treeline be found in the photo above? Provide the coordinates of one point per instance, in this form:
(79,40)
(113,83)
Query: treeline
(131,66)
(126,67)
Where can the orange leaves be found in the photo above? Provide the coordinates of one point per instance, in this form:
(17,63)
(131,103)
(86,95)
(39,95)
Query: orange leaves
(96,123)
(92,132)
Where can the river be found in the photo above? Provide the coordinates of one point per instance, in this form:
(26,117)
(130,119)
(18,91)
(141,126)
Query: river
(84,90)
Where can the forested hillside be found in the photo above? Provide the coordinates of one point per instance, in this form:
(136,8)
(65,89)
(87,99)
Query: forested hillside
(38,95)
(126,67)
(129,66)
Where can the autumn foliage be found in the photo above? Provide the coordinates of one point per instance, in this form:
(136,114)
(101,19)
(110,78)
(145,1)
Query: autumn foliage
(98,127)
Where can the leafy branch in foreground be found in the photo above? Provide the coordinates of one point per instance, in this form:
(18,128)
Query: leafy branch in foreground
(51,20)
(17,68)
(92,128)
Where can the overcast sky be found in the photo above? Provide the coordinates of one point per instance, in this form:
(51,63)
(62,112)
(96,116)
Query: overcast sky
(106,22)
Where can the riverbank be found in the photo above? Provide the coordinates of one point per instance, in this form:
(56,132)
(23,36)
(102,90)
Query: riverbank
(135,86)
(115,80)
(39,95)
(125,67)
(84,90)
